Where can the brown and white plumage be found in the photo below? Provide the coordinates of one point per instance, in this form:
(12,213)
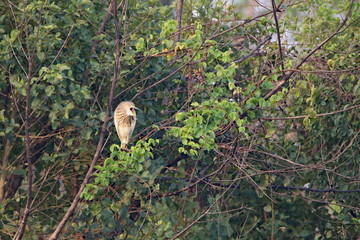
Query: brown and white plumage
(125,120)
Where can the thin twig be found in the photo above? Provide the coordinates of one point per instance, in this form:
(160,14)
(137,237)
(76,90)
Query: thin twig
(56,180)
(171,74)
(202,215)
(252,51)
(305,116)
(275,187)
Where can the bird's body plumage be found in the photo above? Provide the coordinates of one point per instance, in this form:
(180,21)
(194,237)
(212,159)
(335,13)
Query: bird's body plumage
(125,121)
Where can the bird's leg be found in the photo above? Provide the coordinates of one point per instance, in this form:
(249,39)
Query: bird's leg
(124,147)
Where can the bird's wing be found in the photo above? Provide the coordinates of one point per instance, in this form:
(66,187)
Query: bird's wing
(116,123)
(132,127)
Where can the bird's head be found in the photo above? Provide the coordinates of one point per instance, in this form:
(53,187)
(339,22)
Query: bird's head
(129,108)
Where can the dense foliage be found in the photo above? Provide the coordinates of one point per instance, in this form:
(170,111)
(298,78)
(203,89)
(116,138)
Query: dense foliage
(249,125)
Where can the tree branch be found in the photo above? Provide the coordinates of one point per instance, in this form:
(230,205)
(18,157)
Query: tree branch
(202,215)
(20,232)
(240,60)
(305,116)
(275,9)
(102,26)
(99,147)
(179,9)
(275,187)
(288,75)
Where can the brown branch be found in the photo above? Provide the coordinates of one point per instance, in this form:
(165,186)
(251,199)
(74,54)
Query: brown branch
(252,51)
(280,158)
(162,69)
(20,232)
(61,48)
(275,9)
(288,75)
(14,181)
(55,133)
(102,26)
(4,163)
(179,9)
(275,187)
(168,76)
(331,203)
(196,181)
(6,152)
(305,116)
(338,153)
(326,71)
(99,147)
(240,25)
(246,21)
(203,214)
(56,180)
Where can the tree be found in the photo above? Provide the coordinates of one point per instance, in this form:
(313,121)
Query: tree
(250,126)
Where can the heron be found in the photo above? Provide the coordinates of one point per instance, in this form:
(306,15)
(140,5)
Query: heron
(125,120)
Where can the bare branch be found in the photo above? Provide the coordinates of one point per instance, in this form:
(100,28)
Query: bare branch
(305,116)
(275,9)
(179,9)
(288,75)
(253,51)
(202,215)
(102,26)
(99,147)
(20,231)
(334,190)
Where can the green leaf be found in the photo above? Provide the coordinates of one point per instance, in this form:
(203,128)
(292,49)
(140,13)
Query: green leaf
(268,208)
(140,45)
(49,90)
(19,171)
(14,34)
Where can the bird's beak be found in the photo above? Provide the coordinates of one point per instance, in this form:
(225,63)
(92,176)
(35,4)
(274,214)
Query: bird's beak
(138,109)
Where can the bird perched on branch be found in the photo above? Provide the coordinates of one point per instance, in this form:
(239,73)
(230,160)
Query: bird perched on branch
(125,120)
